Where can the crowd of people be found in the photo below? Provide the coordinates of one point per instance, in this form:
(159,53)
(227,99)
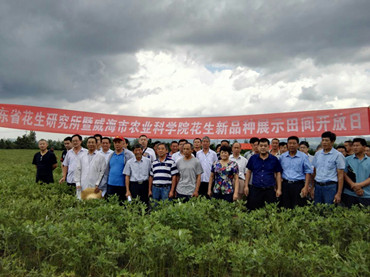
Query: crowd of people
(282,172)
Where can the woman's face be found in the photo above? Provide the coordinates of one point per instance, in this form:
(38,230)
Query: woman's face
(224,155)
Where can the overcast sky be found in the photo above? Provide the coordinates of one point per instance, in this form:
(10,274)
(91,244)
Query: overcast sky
(185,58)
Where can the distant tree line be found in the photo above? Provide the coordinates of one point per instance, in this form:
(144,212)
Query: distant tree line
(28,141)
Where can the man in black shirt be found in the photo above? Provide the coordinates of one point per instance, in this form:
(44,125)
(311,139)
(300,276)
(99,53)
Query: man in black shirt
(68,145)
(45,162)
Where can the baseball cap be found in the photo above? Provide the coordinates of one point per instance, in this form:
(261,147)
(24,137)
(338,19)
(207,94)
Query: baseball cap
(118,138)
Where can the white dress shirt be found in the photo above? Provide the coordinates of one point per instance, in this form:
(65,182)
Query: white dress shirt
(90,170)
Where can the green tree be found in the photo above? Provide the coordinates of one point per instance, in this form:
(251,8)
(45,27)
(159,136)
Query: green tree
(27,141)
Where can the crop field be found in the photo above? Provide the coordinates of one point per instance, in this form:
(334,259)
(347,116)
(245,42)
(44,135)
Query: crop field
(46,231)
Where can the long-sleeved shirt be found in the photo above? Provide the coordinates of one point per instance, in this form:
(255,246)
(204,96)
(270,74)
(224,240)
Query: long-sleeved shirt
(70,160)
(90,170)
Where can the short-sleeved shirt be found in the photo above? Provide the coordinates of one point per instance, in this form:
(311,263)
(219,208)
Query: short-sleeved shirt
(242,164)
(138,170)
(162,172)
(224,176)
(326,165)
(188,170)
(206,160)
(44,164)
(295,168)
(116,165)
(264,170)
(64,153)
(149,153)
(358,170)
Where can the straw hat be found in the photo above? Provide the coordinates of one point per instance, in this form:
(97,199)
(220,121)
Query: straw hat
(89,193)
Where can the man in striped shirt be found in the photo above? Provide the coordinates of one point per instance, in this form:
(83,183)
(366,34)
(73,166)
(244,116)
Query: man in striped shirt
(162,180)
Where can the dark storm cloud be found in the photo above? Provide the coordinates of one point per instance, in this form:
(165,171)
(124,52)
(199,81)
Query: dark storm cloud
(81,49)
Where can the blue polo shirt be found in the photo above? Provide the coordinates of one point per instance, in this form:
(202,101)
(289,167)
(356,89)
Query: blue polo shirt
(264,170)
(116,165)
(326,165)
(361,168)
(295,168)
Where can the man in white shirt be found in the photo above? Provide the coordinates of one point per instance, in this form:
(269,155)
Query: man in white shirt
(242,164)
(147,151)
(206,157)
(105,145)
(70,161)
(90,168)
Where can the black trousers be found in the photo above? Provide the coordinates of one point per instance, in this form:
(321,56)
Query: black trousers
(140,190)
(203,189)
(226,197)
(257,197)
(120,191)
(349,200)
(291,195)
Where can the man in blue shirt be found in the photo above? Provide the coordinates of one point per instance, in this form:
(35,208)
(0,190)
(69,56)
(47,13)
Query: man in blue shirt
(266,181)
(296,175)
(137,171)
(328,172)
(357,176)
(113,176)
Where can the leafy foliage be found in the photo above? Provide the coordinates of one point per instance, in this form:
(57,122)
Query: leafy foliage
(45,231)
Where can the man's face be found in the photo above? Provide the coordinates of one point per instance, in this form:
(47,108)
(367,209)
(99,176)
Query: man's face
(236,149)
(263,147)
(283,149)
(367,151)
(348,146)
(43,145)
(181,146)
(76,142)
(161,150)
(98,141)
(205,144)
(174,147)
(187,150)
(275,144)
(105,144)
(292,145)
(326,143)
(138,153)
(67,144)
(124,144)
(118,145)
(224,143)
(91,145)
(303,148)
(255,147)
(196,143)
(358,148)
(343,151)
(143,141)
